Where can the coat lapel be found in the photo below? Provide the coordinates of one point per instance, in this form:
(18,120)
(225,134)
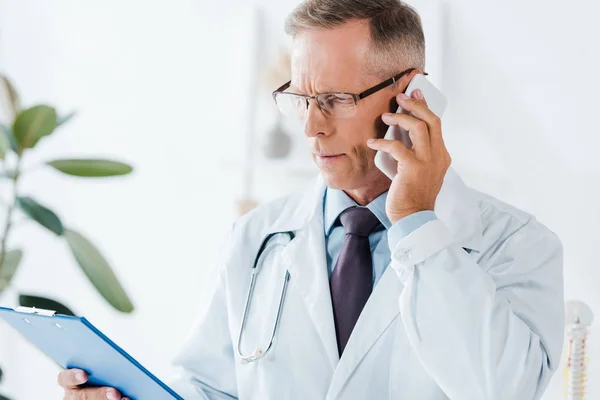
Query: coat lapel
(305,257)
(308,272)
(379,312)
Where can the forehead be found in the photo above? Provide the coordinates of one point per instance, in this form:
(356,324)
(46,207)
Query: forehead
(331,59)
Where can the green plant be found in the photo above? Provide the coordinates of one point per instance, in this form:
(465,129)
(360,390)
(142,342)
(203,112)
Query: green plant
(26,129)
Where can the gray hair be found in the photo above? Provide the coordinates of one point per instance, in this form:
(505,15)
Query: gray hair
(397,38)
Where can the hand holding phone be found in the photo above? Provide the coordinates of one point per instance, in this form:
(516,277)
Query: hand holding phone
(436,102)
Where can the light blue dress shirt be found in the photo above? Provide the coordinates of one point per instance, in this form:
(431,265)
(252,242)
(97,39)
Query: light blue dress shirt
(335,201)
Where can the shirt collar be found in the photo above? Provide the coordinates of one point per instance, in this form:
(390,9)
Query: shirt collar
(457,205)
(335,201)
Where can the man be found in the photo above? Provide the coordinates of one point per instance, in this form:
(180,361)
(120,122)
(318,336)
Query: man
(415,288)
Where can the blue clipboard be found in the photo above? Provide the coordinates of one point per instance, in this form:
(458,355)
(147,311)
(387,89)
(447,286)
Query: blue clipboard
(73,342)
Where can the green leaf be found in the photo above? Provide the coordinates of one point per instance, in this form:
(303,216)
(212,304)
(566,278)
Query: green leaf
(13,97)
(65,118)
(98,271)
(27,300)
(9,267)
(7,132)
(91,168)
(4,144)
(33,124)
(41,214)
(3,398)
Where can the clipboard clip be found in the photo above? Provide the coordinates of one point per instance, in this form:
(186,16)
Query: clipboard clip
(33,310)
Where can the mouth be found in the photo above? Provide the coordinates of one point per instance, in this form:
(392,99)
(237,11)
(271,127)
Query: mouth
(326,159)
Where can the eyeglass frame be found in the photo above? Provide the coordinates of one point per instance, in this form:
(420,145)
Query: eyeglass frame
(355,96)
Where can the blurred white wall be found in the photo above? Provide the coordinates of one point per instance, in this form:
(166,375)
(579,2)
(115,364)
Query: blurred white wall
(165,87)
(519,76)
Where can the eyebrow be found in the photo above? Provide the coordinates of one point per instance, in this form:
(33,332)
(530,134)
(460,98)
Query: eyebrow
(327,89)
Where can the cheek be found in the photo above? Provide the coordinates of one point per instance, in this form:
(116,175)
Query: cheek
(372,124)
(362,156)
(355,133)
(366,156)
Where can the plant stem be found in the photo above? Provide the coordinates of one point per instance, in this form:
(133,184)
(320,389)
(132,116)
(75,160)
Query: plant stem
(9,213)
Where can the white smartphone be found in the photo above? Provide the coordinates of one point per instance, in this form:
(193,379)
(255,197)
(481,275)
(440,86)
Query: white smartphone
(436,102)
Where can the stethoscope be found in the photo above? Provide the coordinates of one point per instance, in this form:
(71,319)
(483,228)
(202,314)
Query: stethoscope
(259,353)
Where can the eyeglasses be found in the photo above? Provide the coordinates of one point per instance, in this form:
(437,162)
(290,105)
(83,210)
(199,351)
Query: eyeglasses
(335,104)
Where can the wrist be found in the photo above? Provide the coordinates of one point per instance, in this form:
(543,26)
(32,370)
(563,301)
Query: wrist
(397,216)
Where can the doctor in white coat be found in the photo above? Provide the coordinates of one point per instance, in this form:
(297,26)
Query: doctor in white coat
(464,293)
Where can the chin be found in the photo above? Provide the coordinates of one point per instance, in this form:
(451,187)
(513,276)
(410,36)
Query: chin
(339,180)
(344,179)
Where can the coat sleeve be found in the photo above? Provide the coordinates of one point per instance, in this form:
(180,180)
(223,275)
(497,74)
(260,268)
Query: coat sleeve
(206,361)
(484,331)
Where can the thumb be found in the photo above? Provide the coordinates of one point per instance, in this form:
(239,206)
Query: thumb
(101,393)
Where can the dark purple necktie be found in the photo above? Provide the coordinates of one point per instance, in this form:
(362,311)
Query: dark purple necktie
(352,279)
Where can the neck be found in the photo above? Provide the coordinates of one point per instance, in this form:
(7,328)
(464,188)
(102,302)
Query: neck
(366,194)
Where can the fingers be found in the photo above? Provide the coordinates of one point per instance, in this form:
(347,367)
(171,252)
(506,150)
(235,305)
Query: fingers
(423,125)
(102,393)
(393,147)
(71,378)
(419,109)
(417,130)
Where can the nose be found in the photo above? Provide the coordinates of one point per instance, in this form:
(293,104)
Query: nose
(315,122)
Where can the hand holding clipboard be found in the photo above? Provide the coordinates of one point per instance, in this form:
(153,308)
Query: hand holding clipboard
(73,342)
(72,380)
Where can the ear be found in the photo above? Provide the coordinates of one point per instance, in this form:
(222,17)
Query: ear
(403,83)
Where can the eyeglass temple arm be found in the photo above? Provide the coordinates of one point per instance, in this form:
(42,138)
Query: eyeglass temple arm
(367,92)
(383,84)
(282,87)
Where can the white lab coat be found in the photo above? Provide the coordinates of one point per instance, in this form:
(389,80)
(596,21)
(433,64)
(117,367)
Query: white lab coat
(441,323)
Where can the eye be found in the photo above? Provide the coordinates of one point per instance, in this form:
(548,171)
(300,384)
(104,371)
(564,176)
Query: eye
(332,99)
(344,99)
